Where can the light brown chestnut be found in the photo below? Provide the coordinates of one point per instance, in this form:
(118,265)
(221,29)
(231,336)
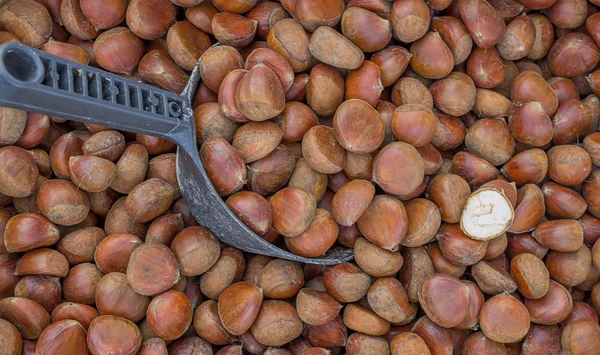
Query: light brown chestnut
(152,269)
(239,306)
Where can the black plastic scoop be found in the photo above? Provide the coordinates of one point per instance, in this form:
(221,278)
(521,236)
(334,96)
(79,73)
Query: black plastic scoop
(36,81)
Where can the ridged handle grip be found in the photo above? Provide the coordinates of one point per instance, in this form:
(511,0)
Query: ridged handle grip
(33,80)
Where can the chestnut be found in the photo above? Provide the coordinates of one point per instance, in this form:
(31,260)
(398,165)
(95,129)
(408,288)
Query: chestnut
(350,202)
(201,15)
(260,95)
(561,235)
(313,14)
(455,35)
(579,48)
(384,222)
(115,297)
(28,231)
(62,203)
(450,193)
(67,51)
(446,95)
(324,90)
(186,44)
(478,343)
(319,236)
(255,140)
(553,307)
(492,279)
(150,20)
(190,344)
(238,307)
(330,334)
(267,14)
(396,160)
(153,346)
(19,173)
(112,253)
(589,193)
(309,179)
(374,260)
(414,124)
(572,120)
(281,279)
(346,282)
(568,164)
(489,103)
(530,124)
(297,92)
(79,285)
(62,337)
(417,267)
(410,20)
(316,307)
(227,270)
(233,29)
(108,334)
(365,29)
(449,134)
(529,209)
(530,275)
(118,50)
(331,47)
(409,90)
(293,210)
(431,57)
(269,174)
(216,63)
(518,39)
(29,20)
(252,209)
(45,290)
(295,120)
(149,200)
(529,166)
(152,269)
(458,248)
(483,21)
(212,122)
(131,169)
(365,321)
(474,170)
(42,261)
(438,339)
(477,219)
(321,150)
(407,342)
(28,316)
(11,338)
(580,336)
(81,313)
(530,86)
(169,315)
(569,268)
(219,156)
(288,38)
(477,141)
(504,319)
(208,325)
(157,68)
(277,323)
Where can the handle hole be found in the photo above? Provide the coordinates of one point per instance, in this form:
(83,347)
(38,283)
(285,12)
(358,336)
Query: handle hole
(22,65)
(174,109)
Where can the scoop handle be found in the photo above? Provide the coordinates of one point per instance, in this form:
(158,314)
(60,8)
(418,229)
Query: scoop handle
(36,81)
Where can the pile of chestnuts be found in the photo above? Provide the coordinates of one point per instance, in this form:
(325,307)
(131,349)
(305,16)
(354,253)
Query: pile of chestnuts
(452,144)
